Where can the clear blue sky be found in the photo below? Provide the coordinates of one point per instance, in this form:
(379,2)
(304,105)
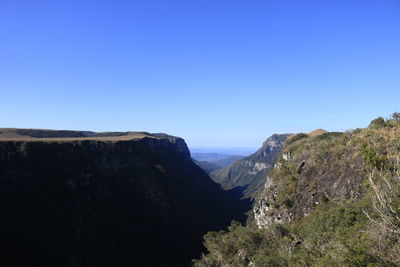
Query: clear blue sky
(217,73)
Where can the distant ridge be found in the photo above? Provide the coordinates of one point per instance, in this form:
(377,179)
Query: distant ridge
(250,172)
(65,135)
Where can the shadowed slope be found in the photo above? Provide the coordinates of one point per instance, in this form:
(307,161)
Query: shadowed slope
(109,202)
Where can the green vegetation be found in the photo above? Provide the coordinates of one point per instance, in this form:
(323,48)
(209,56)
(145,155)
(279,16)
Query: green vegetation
(295,138)
(286,180)
(378,122)
(357,224)
(332,236)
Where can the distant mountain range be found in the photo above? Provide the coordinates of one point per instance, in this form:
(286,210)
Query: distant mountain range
(238,151)
(220,160)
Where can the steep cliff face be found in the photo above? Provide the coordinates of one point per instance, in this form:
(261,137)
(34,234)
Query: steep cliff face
(311,170)
(250,172)
(132,199)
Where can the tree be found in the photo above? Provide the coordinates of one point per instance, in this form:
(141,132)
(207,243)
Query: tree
(378,122)
(396,116)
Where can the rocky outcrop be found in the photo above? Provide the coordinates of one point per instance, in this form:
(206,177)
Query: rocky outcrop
(251,171)
(308,172)
(133,199)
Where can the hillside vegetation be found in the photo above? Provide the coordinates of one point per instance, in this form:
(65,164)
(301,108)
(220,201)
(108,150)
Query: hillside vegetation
(332,199)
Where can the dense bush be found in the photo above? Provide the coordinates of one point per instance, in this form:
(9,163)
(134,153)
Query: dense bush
(331,236)
(372,159)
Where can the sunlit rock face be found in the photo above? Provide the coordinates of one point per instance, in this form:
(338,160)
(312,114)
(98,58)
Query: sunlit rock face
(250,172)
(113,201)
(314,175)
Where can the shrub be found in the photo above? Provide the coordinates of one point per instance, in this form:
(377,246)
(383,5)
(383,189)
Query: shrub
(373,160)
